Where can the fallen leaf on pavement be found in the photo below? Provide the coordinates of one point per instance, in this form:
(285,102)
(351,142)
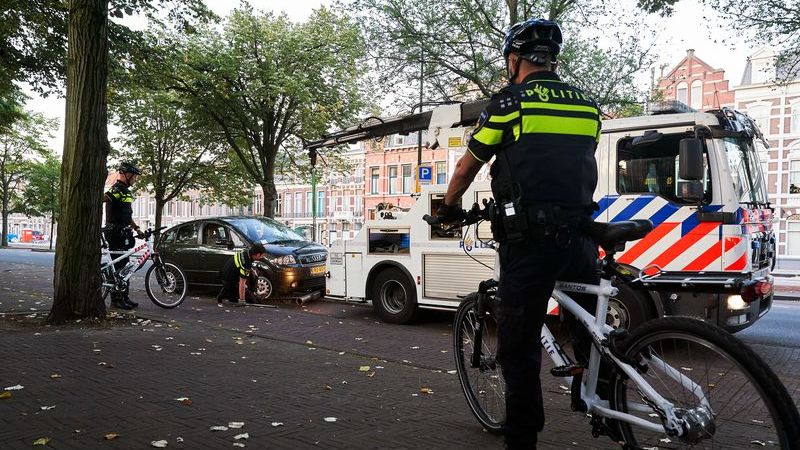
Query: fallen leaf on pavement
(238,444)
(15,388)
(363,369)
(309,343)
(218,428)
(47,408)
(327,387)
(5,394)
(371,374)
(235,425)
(159,444)
(242,436)
(330,419)
(111,436)
(277,424)
(41,441)
(425,390)
(55,375)
(186,402)
(178,439)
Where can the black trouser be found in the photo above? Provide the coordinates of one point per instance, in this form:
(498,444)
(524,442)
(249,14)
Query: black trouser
(527,277)
(120,239)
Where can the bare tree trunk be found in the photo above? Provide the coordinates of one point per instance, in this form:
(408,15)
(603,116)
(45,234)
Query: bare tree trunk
(4,241)
(83,169)
(159,212)
(52,229)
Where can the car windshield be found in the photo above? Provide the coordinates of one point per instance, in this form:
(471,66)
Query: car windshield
(265,230)
(748,178)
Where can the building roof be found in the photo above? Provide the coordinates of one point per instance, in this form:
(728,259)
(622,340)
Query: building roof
(787,65)
(689,54)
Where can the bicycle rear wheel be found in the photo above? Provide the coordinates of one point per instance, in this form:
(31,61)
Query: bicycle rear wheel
(483,386)
(166,285)
(747,405)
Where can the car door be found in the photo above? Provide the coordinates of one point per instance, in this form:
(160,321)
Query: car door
(186,251)
(218,248)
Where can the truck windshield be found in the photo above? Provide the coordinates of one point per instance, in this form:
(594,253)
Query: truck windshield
(748,178)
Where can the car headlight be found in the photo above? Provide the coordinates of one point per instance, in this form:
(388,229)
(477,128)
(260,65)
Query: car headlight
(283,260)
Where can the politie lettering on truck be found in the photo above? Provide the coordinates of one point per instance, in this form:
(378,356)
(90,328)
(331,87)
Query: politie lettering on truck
(709,255)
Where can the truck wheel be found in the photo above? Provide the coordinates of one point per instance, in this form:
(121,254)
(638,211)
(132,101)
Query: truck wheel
(394,298)
(629,308)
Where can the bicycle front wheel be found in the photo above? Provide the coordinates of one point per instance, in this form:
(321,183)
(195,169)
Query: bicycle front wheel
(482,383)
(724,393)
(166,285)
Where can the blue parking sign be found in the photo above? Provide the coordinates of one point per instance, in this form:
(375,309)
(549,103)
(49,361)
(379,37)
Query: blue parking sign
(425,174)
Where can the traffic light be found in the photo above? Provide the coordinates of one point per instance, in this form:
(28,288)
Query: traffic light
(312,155)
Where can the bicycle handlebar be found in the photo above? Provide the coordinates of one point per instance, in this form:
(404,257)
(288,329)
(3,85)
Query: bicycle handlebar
(473,216)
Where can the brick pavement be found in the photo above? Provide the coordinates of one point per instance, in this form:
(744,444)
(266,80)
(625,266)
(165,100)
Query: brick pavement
(274,375)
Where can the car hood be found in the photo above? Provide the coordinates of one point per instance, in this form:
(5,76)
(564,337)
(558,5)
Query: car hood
(296,248)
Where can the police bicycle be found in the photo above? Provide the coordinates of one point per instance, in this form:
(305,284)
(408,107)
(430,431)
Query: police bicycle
(674,382)
(164,282)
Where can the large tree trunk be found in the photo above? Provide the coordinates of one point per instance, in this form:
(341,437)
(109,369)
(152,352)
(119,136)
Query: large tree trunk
(269,198)
(83,169)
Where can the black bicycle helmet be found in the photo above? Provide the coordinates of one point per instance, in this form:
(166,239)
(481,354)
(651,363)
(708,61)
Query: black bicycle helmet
(127,167)
(531,37)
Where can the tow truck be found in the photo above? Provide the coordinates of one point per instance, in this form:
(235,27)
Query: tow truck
(710,254)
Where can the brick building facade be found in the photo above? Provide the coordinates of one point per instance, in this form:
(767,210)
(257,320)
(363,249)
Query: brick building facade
(695,83)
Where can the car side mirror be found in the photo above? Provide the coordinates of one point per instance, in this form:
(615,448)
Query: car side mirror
(690,159)
(691,191)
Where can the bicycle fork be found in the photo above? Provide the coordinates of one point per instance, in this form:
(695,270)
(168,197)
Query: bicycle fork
(480,305)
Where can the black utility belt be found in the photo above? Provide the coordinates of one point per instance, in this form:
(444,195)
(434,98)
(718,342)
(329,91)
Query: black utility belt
(514,222)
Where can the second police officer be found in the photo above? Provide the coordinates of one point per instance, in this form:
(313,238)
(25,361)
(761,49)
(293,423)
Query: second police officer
(120,225)
(542,133)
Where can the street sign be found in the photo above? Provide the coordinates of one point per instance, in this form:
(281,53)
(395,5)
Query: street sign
(425,174)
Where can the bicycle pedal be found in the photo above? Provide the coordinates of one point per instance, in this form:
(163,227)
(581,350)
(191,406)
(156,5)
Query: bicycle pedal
(570,370)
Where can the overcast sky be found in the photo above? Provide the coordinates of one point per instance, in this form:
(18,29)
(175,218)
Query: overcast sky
(691,26)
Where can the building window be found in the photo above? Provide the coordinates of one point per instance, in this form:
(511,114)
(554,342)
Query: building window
(373,183)
(320,204)
(682,93)
(406,178)
(794,123)
(697,94)
(278,205)
(309,199)
(793,235)
(441,173)
(760,114)
(288,203)
(794,176)
(298,203)
(393,180)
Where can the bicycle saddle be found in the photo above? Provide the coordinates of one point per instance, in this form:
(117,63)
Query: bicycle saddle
(611,235)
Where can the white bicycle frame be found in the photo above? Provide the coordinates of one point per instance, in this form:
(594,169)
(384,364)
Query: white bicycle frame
(598,329)
(148,245)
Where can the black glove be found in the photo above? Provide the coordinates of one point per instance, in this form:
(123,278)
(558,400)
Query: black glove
(139,234)
(450,214)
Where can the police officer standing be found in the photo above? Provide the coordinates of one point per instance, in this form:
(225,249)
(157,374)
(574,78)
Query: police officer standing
(120,225)
(542,134)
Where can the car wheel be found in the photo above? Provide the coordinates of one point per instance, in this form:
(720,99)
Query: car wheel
(263,287)
(628,309)
(394,297)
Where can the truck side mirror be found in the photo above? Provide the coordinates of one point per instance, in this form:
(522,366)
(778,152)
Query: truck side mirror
(691,191)
(690,159)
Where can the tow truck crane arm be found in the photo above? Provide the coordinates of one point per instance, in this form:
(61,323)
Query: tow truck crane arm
(445,116)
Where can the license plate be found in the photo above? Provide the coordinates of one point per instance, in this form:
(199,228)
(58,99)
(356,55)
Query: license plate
(319,270)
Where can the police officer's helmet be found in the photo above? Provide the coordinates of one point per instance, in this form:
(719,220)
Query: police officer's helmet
(127,167)
(533,36)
